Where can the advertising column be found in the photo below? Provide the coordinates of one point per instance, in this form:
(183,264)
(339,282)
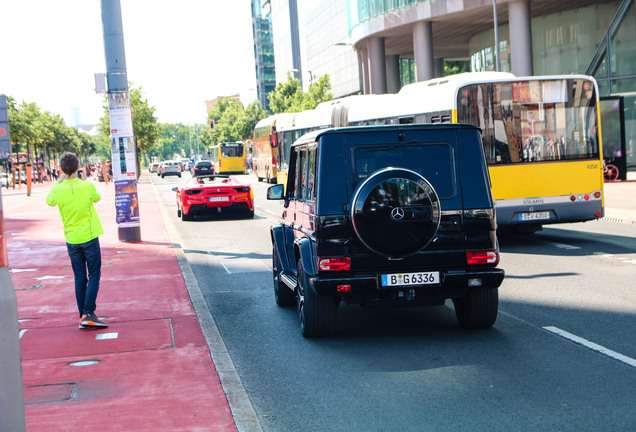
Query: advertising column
(123,157)
(123,148)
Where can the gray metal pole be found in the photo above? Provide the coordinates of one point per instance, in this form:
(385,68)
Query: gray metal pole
(123,143)
(11,391)
(497,60)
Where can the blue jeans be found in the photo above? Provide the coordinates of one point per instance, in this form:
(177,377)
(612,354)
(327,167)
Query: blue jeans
(86,256)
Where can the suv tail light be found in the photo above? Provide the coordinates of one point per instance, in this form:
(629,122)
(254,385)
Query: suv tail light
(334,264)
(482,257)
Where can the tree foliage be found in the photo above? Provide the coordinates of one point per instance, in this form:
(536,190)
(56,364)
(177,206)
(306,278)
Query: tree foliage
(288,96)
(232,121)
(38,132)
(174,139)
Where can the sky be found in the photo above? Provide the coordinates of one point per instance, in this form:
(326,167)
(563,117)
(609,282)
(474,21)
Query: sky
(180,52)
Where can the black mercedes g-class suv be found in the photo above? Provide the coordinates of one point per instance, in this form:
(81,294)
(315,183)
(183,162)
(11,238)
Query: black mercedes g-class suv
(396,215)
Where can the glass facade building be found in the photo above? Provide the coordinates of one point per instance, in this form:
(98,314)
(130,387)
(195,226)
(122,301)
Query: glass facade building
(263,51)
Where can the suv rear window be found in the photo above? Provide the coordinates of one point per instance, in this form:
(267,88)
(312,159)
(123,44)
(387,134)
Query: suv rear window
(434,161)
(204,164)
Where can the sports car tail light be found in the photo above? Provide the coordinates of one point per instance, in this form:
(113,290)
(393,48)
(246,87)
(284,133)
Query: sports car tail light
(242,189)
(482,257)
(193,191)
(334,264)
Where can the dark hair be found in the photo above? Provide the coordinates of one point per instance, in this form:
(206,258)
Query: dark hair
(69,163)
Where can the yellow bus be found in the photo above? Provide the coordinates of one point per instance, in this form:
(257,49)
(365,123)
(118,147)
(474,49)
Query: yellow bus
(541,137)
(228,157)
(264,162)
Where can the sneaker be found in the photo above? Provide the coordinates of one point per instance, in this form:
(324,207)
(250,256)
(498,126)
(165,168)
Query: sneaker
(91,320)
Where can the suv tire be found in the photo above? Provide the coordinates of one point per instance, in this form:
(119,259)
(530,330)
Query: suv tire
(395,212)
(477,309)
(317,313)
(283,295)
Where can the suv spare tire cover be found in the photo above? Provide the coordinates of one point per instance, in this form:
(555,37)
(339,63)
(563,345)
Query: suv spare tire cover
(395,212)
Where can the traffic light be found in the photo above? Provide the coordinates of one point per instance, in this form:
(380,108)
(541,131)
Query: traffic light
(211,124)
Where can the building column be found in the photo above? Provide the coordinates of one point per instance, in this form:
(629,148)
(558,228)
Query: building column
(393,73)
(520,37)
(377,65)
(423,50)
(363,59)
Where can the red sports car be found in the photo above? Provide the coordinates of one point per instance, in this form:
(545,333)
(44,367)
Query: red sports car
(214,195)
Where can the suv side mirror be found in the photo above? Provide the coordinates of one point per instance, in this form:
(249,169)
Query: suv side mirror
(275,192)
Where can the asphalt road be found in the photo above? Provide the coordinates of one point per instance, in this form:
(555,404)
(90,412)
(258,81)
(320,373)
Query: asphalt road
(561,356)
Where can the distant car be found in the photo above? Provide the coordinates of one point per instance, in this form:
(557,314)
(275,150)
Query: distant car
(217,194)
(152,168)
(170,168)
(203,168)
(4,180)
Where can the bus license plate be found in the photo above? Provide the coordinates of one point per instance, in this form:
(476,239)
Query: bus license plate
(534,216)
(407,279)
(219,199)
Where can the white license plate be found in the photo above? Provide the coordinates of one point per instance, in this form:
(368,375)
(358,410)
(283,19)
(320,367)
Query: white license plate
(407,279)
(219,199)
(534,216)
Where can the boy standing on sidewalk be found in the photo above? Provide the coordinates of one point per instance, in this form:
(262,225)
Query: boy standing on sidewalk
(74,198)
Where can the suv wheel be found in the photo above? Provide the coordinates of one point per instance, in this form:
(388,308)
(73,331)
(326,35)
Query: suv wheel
(477,309)
(395,212)
(317,313)
(283,295)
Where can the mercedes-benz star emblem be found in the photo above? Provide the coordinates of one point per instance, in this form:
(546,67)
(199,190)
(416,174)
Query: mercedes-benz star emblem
(397,214)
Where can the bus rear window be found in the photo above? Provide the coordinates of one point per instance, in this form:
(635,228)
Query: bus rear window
(232,150)
(534,120)
(434,161)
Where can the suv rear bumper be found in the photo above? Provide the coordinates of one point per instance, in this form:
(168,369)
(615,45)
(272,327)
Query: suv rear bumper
(454,283)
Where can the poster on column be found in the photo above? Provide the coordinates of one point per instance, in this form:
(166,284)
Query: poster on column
(123,157)
(120,115)
(126,202)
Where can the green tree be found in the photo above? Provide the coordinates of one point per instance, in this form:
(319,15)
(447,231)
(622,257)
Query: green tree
(232,122)
(174,138)
(453,67)
(288,96)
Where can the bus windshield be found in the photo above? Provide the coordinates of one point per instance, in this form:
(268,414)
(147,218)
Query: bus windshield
(534,120)
(231,149)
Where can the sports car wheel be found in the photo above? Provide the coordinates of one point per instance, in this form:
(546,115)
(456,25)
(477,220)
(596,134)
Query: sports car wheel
(185,216)
(395,212)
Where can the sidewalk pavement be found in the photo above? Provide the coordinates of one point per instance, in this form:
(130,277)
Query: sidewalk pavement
(154,370)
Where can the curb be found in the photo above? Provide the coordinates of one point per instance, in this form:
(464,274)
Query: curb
(244,415)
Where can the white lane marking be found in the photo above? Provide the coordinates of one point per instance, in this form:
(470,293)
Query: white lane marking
(22,332)
(563,246)
(105,336)
(277,214)
(23,270)
(591,345)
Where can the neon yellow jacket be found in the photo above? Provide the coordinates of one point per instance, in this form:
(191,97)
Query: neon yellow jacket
(74,198)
